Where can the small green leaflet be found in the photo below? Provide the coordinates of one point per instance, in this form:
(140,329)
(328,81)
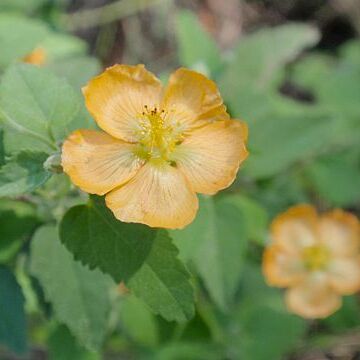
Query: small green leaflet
(143,257)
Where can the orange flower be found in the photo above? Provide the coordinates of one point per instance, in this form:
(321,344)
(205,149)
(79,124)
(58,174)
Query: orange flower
(36,57)
(316,257)
(159,146)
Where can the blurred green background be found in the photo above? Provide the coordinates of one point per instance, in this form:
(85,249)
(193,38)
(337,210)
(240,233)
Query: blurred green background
(291,70)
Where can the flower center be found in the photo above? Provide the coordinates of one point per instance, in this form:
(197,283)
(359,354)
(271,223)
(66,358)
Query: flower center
(316,257)
(157,136)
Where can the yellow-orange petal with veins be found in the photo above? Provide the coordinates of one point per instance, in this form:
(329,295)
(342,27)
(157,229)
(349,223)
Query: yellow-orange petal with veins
(313,298)
(211,155)
(192,100)
(282,269)
(96,162)
(296,228)
(340,232)
(117,98)
(158,196)
(344,274)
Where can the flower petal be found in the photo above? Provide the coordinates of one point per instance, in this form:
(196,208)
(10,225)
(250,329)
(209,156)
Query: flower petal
(158,196)
(296,228)
(340,231)
(192,100)
(313,298)
(117,98)
(210,156)
(97,162)
(344,275)
(282,269)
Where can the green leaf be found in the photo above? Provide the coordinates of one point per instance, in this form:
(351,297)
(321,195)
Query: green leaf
(260,328)
(336,179)
(23,173)
(21,5)
(163,282)
(2,149)
(12,316)
(37,108)
(60,46)
(19,36)
(281,140)
(189,351)
(143,257)
(254,215)
(257,63)
(138,322)
(269,334)
(17,221)
(347,317)
(63,346)
(97,239)
(216,242)
(79,296)
(196,47)
(76,70)
(350,51)
(335,84)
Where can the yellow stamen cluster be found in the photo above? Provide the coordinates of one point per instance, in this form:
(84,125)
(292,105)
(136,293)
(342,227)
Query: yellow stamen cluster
(316,257)
(158,138)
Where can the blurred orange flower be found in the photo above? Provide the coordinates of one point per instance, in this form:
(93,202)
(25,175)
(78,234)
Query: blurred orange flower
(36,57)
(159,146)
(317,257)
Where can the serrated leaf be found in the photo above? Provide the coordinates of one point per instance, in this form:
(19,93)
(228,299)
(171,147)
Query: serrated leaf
(97,239)
(79,296)
(163,282)
(37,108)
(145,258)
(23,173)
(19,36)
(216,242)
(17,221)
(12,315)
(196,47)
